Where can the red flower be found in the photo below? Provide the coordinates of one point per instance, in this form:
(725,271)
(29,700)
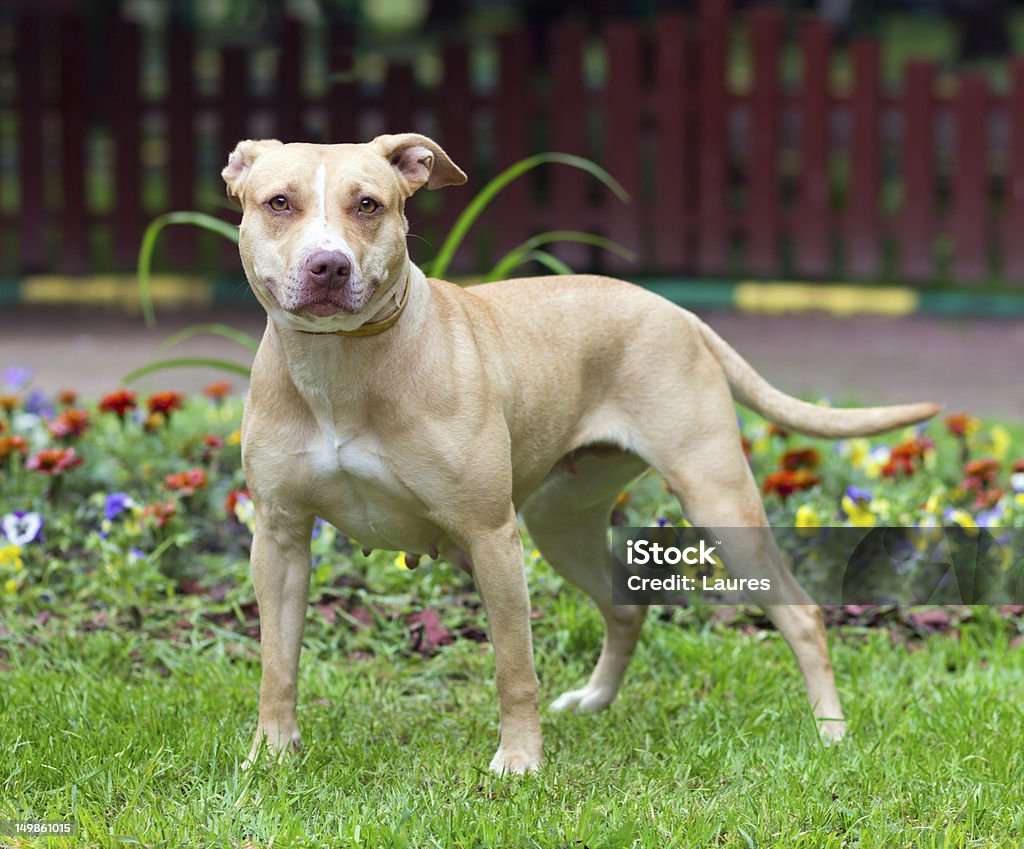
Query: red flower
(898,463)
(775,430)
(186,482)
(211,444)
(987,499)
(161,513)
(984,469)
(786,482)
(69,424)
(164,402)
(747,448)
(218,391)
(232,500)
(67,397)
(54,461)
(961,424)
(800,458)
(1018,466)
(12,444)
(119,402)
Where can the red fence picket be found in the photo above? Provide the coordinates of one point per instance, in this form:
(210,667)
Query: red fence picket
(732,169)
(764,222)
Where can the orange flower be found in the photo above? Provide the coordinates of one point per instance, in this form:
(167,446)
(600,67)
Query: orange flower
(67,397)
(984,469)
(786,482)
(1018,466)
(961,424)
(8,402)
(69,424)
(12,445)
(800,458)
(218,391)
(120,402)
(186,482)
(898,463)
(164,402)
(748,450)
(54,461)
(161,513)
(775,430)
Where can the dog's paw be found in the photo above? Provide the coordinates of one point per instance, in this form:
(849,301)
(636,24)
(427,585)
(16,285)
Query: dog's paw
(588,700)
(514,763)
(831,731)
(263,750)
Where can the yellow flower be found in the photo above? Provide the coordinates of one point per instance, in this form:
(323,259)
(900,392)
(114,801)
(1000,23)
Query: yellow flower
(1019,498)
(10,555)
(400,561)
(10,586)
(856,451)
(934,502)
(807,517)
(962,518)
(859,514)
(999,440)
(234,438)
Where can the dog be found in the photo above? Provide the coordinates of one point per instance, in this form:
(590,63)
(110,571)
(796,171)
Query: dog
(419,416)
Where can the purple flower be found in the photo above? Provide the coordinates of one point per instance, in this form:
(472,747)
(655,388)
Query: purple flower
(117,503)
(858,495)
(37,403)
(21,528)
(17,377)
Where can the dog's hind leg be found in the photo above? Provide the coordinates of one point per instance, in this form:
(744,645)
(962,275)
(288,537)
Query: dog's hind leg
(568,517)
(706,470)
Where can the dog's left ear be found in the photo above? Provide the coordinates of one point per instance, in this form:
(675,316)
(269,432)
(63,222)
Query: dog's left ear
(419,161)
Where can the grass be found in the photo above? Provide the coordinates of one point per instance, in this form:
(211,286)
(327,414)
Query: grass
(140,742)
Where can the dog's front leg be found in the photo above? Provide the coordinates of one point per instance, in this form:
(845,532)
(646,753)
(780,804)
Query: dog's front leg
(280,570)
(497,558)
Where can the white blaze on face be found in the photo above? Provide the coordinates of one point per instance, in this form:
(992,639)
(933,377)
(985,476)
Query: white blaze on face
(320,235)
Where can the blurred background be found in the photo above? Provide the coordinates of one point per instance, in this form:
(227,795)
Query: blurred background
(836,139)
(826,142)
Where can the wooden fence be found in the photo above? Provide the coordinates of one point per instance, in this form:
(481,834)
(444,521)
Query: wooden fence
(914,180)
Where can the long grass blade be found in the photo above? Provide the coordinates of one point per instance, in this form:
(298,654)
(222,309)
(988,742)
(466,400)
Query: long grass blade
(215,329)
(187,362)
(148,245)
(438,267)
(515,257)
(551,262)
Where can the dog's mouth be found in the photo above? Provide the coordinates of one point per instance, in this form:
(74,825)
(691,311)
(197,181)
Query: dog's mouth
(326,304)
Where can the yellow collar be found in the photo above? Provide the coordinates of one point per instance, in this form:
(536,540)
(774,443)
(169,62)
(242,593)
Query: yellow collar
(374,327)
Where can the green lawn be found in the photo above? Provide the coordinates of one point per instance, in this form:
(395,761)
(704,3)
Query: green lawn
(139,740)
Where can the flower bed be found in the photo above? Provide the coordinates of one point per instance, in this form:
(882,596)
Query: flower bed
(132,499)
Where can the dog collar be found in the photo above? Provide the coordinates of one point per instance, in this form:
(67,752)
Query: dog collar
(374,327)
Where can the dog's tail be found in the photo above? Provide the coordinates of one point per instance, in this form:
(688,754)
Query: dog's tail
(755,392)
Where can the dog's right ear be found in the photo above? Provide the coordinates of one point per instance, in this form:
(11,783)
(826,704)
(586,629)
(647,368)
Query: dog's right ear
(240,163)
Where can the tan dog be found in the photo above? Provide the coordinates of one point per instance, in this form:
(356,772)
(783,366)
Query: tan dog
(419,416)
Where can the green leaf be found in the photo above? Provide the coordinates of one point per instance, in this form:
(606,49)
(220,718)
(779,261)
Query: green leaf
(216,329)
(439,265)
(156,226)
(551,262)
(515,257)
(187,362)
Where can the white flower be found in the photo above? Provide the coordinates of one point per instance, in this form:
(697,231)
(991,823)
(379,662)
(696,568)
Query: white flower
(21,529)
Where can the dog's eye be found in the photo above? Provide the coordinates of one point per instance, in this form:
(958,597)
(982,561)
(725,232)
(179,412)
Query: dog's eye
(278,203)
(368,205)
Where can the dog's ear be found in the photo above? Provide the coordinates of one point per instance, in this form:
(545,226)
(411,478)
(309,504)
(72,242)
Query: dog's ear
(240,163)
(419,161)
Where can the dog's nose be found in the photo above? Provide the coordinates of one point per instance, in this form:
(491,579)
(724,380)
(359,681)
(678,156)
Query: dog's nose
(328,268)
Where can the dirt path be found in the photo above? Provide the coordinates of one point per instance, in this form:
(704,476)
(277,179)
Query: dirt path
(974,365)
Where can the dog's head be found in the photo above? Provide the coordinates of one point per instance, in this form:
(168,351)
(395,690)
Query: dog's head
(323,226)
